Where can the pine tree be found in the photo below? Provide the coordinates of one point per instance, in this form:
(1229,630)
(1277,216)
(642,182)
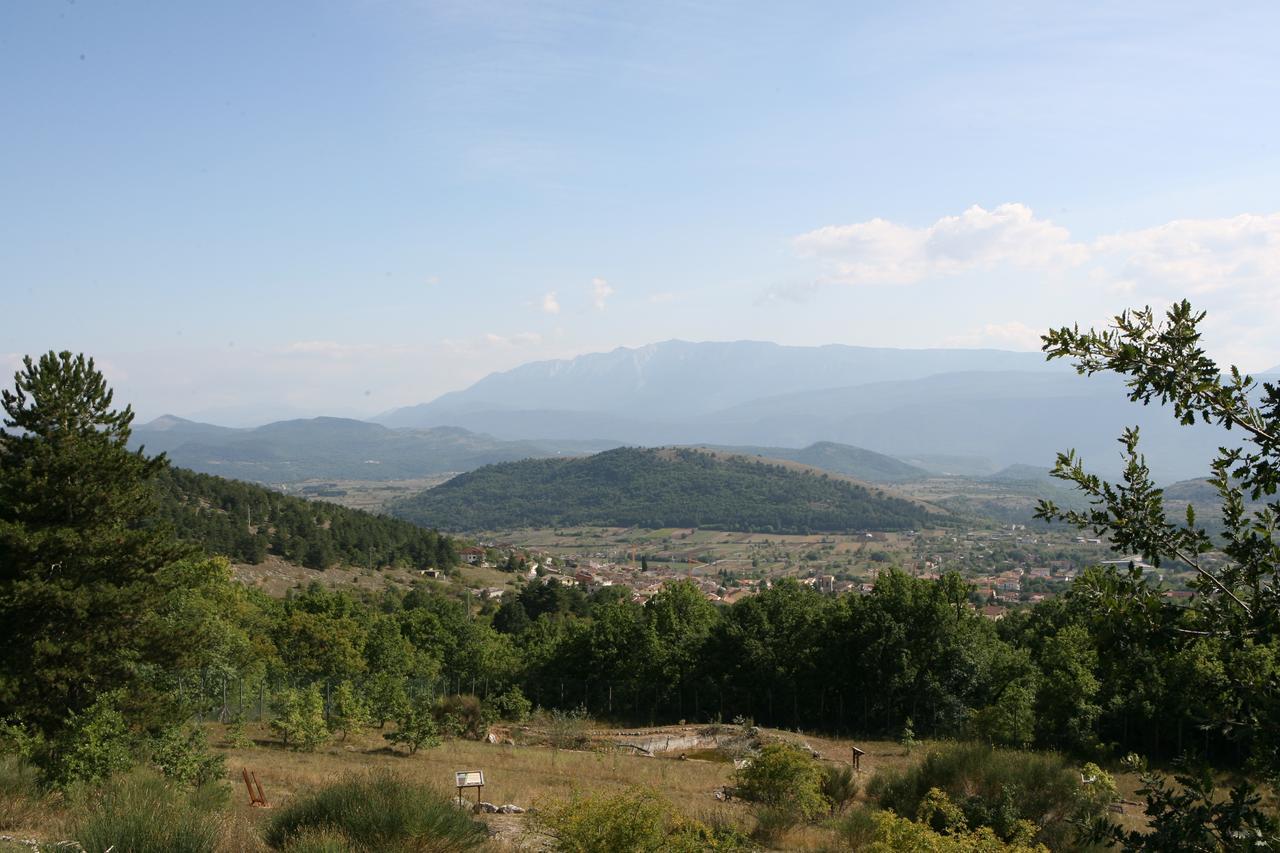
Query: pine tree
(82,563)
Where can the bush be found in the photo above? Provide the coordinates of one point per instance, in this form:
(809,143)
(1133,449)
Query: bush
(783,777)
(995,788)
(351,714)
(463,715)
(93,744)
(636,820)
(141,812)
(839,786)
(237,734)
(889,833)
(299,718)
(416,726)
(513,706)
(376,812)
(184,757)
(568,729)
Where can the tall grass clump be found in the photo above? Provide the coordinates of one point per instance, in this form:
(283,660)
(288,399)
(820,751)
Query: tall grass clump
(142,812)
(635,820)
(375,812)
(19,786)
(995,788)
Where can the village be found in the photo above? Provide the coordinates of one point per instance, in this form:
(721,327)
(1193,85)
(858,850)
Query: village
(1006,567)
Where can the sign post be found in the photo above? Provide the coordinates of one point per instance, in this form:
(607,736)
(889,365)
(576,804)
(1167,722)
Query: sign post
(469,779)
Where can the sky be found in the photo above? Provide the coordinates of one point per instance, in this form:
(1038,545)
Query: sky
(248,211)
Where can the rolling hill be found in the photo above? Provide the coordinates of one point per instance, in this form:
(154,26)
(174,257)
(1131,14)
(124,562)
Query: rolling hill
(335,448)
(680,487)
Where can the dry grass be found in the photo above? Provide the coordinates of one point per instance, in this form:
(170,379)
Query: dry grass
(521,774)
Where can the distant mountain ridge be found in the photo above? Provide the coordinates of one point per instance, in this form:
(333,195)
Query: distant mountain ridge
(334,448)
(655,488)
(675,379)
(839,459)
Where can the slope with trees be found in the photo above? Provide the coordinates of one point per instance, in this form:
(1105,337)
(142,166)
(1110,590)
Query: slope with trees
(658,488)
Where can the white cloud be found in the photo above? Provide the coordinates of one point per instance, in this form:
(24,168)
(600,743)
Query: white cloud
(1198,256)
(881,252)
(601,290)
(550,303)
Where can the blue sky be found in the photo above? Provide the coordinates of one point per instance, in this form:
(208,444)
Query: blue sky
(249,210)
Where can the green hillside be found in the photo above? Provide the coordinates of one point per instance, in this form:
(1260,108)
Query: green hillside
(657,488)
(246,522)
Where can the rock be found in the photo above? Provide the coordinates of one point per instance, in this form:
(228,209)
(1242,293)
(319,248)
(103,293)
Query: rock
(487,808)
(490,738)
(510,808)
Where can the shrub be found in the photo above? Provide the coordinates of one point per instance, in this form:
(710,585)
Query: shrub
(388,697)
(892,834)
(839,786)
(995,788)
(351,714)
(463,715)
(568,729)
(91,746)
(184,757)
(377,812)
(512,705)
(143,813)
(416,726)
(237,734)
(772,825)
(635,820)
(299,718)
(783,777)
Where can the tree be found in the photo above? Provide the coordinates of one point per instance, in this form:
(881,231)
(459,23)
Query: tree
(299,718)
(416,726)
(351,714)
(1236,571)
(82,564)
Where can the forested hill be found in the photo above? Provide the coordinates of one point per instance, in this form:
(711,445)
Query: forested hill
(657,488)
(247,522)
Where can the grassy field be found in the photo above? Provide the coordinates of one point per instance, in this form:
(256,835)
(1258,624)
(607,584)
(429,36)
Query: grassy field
(525,774)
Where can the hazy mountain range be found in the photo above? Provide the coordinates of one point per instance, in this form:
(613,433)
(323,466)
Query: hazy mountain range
(847,409)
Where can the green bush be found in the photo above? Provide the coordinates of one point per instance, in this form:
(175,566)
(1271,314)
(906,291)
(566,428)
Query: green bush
(351,713)
(783,777)
(93,744)
(299,718)
(416,726)
(512,705)
(635,820)
(376,812)
(994,788)
(184,756)
(237,734)
(141,812)
(839,786)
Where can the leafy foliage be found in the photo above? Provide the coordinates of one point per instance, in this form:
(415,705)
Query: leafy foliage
(656,488)
(416,726)
(299,718)
(784,777)
(183,755)
(993,788)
